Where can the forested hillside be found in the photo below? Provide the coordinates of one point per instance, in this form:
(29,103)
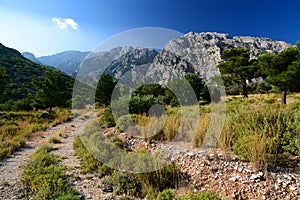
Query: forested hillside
(22,72)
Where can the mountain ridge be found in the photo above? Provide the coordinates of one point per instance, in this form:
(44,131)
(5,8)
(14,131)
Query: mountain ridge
(202,53)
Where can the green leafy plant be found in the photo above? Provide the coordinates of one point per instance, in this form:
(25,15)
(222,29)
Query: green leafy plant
(45,178)
(165,195)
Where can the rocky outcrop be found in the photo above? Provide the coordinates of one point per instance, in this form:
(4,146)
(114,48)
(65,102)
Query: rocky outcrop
(130,61)
(96,62)
(166,66)
(204,50)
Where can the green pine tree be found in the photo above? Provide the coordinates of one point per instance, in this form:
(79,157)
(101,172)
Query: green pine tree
(238,68)
(105,89)
(52,89)
(282,69)
(4,80)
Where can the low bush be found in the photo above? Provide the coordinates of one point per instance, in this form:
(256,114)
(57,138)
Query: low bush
(45,179)
(166,195)
(54,140)
(125,122)
(123,183)
(107,118)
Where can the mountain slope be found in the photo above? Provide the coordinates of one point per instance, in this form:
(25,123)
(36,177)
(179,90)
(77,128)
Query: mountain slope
(22,71)
(132,60)
(67,61)
(31,56)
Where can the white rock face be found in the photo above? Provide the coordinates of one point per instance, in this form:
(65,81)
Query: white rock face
(204,50)
(97,62)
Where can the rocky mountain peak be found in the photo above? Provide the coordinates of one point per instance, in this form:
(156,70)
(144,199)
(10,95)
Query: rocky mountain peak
(204,50)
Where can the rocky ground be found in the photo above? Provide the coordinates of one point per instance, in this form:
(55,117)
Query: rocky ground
(208,169)
(225,174)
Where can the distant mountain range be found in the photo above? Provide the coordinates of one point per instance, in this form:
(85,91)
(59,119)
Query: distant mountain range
(198,53)
(67,61)
(192,53)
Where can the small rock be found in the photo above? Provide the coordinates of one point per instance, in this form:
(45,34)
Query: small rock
(293,188)
(191,154)
(277,187)
(233,179)
(211,157)
(108,189)
(259,176)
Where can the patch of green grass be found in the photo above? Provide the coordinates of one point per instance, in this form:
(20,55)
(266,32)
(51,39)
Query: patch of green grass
(17,127)
(203,195)
(45,178)
(54,140)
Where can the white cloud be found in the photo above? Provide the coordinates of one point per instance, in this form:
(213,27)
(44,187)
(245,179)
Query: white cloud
(65,23)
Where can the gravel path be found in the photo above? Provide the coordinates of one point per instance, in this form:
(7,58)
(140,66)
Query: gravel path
(12,168)
(87,185)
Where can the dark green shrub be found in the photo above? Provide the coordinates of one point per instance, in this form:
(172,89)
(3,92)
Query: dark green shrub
(108,118)
(23,104)
(124,183)
(166,195)
(142,104)
(118,142)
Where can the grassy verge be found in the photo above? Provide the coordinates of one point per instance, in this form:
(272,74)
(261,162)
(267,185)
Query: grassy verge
(16,127)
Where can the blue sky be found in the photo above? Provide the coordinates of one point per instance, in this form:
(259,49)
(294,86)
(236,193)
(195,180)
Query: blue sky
(45,27)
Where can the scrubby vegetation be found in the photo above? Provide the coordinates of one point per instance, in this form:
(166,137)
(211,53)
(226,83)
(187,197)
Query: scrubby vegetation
(124,182)
(261,130)
(45,178)
(17,127)
(258,129)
